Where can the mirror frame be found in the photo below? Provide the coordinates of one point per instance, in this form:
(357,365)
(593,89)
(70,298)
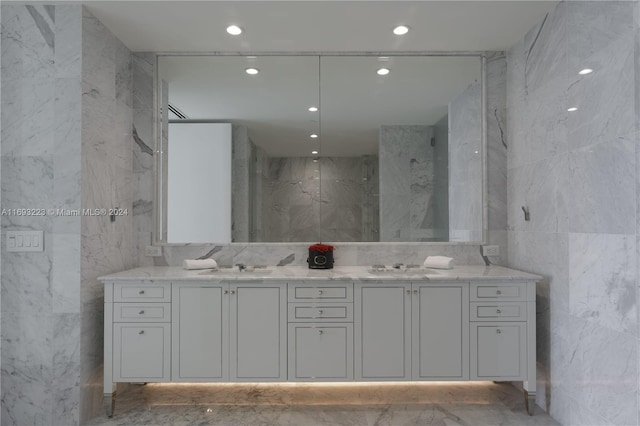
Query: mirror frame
(160,160)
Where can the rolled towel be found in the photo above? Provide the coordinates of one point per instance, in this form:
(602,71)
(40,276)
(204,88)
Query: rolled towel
(199,264)
(438,262)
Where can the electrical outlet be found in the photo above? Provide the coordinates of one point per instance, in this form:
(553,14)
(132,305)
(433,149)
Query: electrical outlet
(491,250)
(153,251)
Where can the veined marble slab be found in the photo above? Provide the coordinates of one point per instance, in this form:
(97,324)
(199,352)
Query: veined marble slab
(471,272)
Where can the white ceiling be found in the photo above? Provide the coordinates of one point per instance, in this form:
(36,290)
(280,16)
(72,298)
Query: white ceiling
(178,26)
(355,101)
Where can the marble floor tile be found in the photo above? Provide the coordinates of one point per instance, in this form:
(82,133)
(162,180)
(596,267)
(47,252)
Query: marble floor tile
(302,404)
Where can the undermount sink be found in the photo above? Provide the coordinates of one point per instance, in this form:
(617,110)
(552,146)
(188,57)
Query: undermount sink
(381,269)
(248,270)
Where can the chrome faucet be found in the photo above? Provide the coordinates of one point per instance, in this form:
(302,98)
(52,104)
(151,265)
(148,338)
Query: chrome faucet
(398,265)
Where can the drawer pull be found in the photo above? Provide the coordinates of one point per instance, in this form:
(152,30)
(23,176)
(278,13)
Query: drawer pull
(498,292)
(141,292)
(320,332)
(498,331)
(408,291)
(498,311)
(320,292)
(141,332)
(415,291)
(320,311)
(141,312)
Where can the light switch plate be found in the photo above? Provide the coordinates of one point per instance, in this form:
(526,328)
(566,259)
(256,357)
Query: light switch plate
(25,241)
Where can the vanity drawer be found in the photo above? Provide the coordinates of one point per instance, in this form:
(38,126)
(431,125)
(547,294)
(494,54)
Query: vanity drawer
(334,312)
(139,292)
(511,292)
(142,312)
(501,311)
(309,293)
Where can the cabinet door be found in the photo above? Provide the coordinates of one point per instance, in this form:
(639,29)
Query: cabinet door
(200,332)
(141,352)
(383,332)
(498,351)
(321,352)
(440,332)
(258,332)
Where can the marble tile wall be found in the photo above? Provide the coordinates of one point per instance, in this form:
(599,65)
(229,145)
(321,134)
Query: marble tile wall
(577,174)
(406,183)
(107,183)
(143,69)
(241,197)
(66,144)
(41,168)
(441,179)
(339,193)
(465,165)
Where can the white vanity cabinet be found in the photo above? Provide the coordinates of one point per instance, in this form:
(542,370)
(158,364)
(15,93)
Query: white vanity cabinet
(320,331)
(229,331)
(170,325)
(413,331)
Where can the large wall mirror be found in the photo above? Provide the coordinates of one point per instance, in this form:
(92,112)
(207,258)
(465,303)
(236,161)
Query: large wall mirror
(320,148)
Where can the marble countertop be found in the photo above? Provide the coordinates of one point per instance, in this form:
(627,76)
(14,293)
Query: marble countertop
(340,273)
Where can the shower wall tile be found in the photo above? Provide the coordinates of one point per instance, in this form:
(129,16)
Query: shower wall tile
(598,193)
(577,173)
(27,396)
(603,280)
(604,363)
(27,48)
(66,369)
(65,267)
(539,187)
(497,144)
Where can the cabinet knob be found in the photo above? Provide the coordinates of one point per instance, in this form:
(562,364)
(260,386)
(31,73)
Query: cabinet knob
(226,292)
(141,312)
(498,311)
(415,291)
(141,292)
(498,292)
(141,332)
(408,291)
(319,292)
(233,292)
(498,331)
(320,311)
(320,332)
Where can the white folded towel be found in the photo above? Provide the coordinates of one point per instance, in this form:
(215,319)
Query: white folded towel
(438,262)
(199,264)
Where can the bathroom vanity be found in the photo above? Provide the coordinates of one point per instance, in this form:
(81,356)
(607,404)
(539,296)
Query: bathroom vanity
(165,324)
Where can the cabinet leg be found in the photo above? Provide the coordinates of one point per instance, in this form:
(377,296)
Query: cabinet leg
(530,402)
(109,403)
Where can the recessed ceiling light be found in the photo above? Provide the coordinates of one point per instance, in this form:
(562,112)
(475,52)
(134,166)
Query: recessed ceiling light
(572,109)
(313,136)
(401,30)
(383,71)
(252,71)
(313,109)
(251,57)
(383,58)
(586,71)
(314,152)
(234,30)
